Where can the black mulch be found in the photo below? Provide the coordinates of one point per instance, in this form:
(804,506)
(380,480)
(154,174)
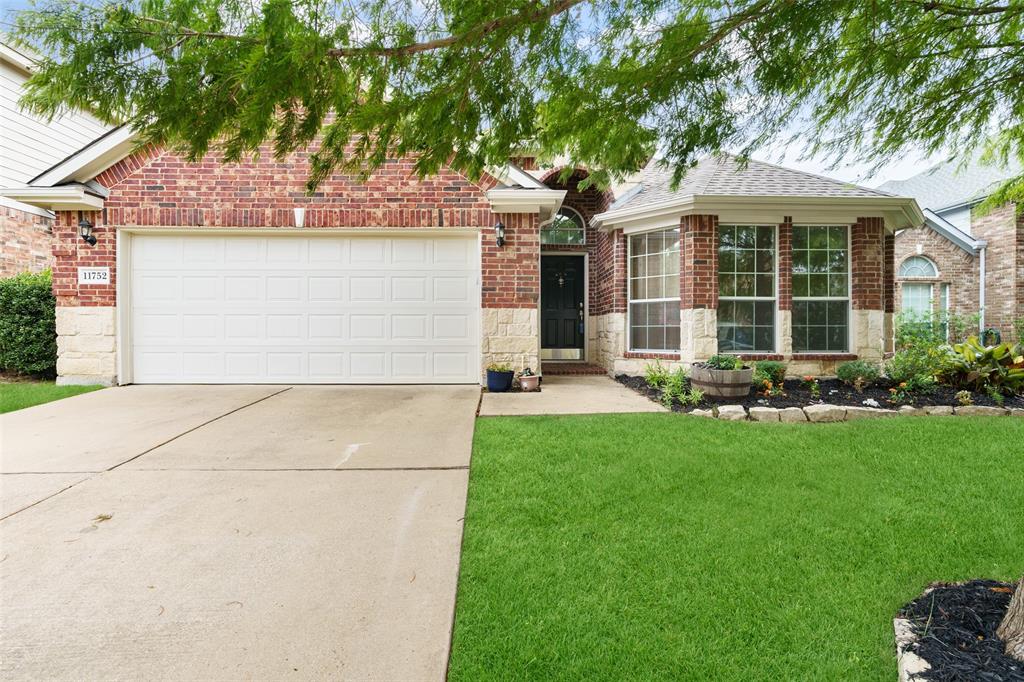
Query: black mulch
(833,392)
(956,629)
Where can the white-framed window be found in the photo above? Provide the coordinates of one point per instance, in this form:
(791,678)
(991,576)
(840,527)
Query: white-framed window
(917,299)
(654,291)
(918,266)
(821,289)
(567,227)
(746,288)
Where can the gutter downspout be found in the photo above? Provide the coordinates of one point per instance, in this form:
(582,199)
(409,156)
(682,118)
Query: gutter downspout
(982,247)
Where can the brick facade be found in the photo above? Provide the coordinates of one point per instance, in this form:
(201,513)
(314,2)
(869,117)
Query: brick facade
(1003,230)
(698,253)
(27,241)
(956,267)
(867,256)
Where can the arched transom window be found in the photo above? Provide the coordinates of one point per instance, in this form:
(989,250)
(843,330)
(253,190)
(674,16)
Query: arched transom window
(567,227)
(918,266)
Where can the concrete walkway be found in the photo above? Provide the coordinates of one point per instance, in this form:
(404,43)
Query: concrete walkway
(569,395)
(235,532)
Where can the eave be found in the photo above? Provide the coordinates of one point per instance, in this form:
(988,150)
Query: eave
(898,212)
(63,198)
(543,201)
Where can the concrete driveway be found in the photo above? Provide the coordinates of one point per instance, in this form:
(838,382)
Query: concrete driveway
(233,532)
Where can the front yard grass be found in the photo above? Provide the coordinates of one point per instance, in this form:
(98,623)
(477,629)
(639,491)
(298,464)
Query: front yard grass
(16,395)
(637,547)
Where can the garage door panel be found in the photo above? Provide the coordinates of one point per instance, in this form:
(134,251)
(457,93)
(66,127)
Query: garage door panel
(219,309)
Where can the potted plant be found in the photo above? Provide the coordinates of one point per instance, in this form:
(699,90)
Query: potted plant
(722,376)
(529,381)
(499,378)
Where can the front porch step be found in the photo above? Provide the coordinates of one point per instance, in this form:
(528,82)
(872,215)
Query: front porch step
(570,369)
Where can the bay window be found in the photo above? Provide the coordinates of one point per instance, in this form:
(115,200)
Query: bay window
(821,289)
(654,291)
(746,288)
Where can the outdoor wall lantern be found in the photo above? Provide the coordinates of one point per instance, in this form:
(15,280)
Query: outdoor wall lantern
(499,234)
(85,230)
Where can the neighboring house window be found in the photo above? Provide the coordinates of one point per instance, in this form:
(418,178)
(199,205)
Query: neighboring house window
(567,227)
(654,291)
(746,288)
(917,299)
(918,266)
(821,289)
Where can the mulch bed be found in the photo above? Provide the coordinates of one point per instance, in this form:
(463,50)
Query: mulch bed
(956,627)
(833,392)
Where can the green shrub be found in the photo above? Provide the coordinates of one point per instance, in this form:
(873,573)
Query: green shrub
(674,387)
(918,365)
(857,373)
(28,334)
(656,374)
(770,370)
(724,362)
(991,369)
(933,329)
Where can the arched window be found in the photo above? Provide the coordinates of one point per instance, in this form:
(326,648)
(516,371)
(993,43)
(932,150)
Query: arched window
(567,227)
(918,266)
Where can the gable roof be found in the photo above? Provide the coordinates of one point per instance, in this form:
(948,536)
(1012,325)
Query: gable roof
(951,232)
(952,183)
(726,175)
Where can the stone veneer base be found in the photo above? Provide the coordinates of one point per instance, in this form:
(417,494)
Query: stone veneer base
(86,345)
(510,336)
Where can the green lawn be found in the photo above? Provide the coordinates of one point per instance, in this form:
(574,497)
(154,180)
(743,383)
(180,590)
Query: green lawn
(637,547)
(15,396)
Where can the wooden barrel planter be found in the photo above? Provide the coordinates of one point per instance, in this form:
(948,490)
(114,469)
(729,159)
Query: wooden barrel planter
(722,383)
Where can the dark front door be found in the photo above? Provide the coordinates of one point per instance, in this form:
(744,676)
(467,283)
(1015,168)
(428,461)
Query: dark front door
(561,305)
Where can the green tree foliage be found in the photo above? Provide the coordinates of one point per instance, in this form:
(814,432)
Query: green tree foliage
(601,82)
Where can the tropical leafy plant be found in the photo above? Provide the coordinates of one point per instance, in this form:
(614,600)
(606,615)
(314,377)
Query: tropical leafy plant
(980,368)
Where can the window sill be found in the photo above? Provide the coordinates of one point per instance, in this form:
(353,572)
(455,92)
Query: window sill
(667,355)
(824,356)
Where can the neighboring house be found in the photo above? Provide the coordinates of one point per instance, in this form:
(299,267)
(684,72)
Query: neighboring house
(232,274)
(28,145)
(960,261)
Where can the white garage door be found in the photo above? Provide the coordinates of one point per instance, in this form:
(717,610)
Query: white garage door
(290,309)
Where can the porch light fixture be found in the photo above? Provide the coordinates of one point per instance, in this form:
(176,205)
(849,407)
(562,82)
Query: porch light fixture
(499,234)
(85,231)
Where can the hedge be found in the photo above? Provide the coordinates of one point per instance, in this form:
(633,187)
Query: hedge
(28,331)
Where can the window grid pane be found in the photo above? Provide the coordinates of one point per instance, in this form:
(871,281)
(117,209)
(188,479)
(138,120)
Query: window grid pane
(821,289)
(566,228)
(654,291)
(746,288)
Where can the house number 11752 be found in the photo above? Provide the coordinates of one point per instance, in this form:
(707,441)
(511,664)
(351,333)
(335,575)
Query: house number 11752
(94,275)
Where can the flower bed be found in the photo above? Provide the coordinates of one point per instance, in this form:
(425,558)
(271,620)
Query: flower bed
(798,393)
(949,633)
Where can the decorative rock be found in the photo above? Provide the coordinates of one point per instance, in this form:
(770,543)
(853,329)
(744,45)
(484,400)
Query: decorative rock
(1016,412)
(871,402)
(732,413)
(911,411)
(867,413)
(764,414)
(704,413)
(825,413)
(981,411)
(939,410)
(792,414)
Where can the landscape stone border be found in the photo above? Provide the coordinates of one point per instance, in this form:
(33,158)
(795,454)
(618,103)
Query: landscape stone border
(910,665)
(825,413)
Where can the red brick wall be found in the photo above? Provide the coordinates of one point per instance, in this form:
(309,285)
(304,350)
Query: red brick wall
(26,241)
(1003,229)
(588,203)
(785,246)
(151,188)
(698,252)
(867,240)
(608,274)
(956,267)
(888,276)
